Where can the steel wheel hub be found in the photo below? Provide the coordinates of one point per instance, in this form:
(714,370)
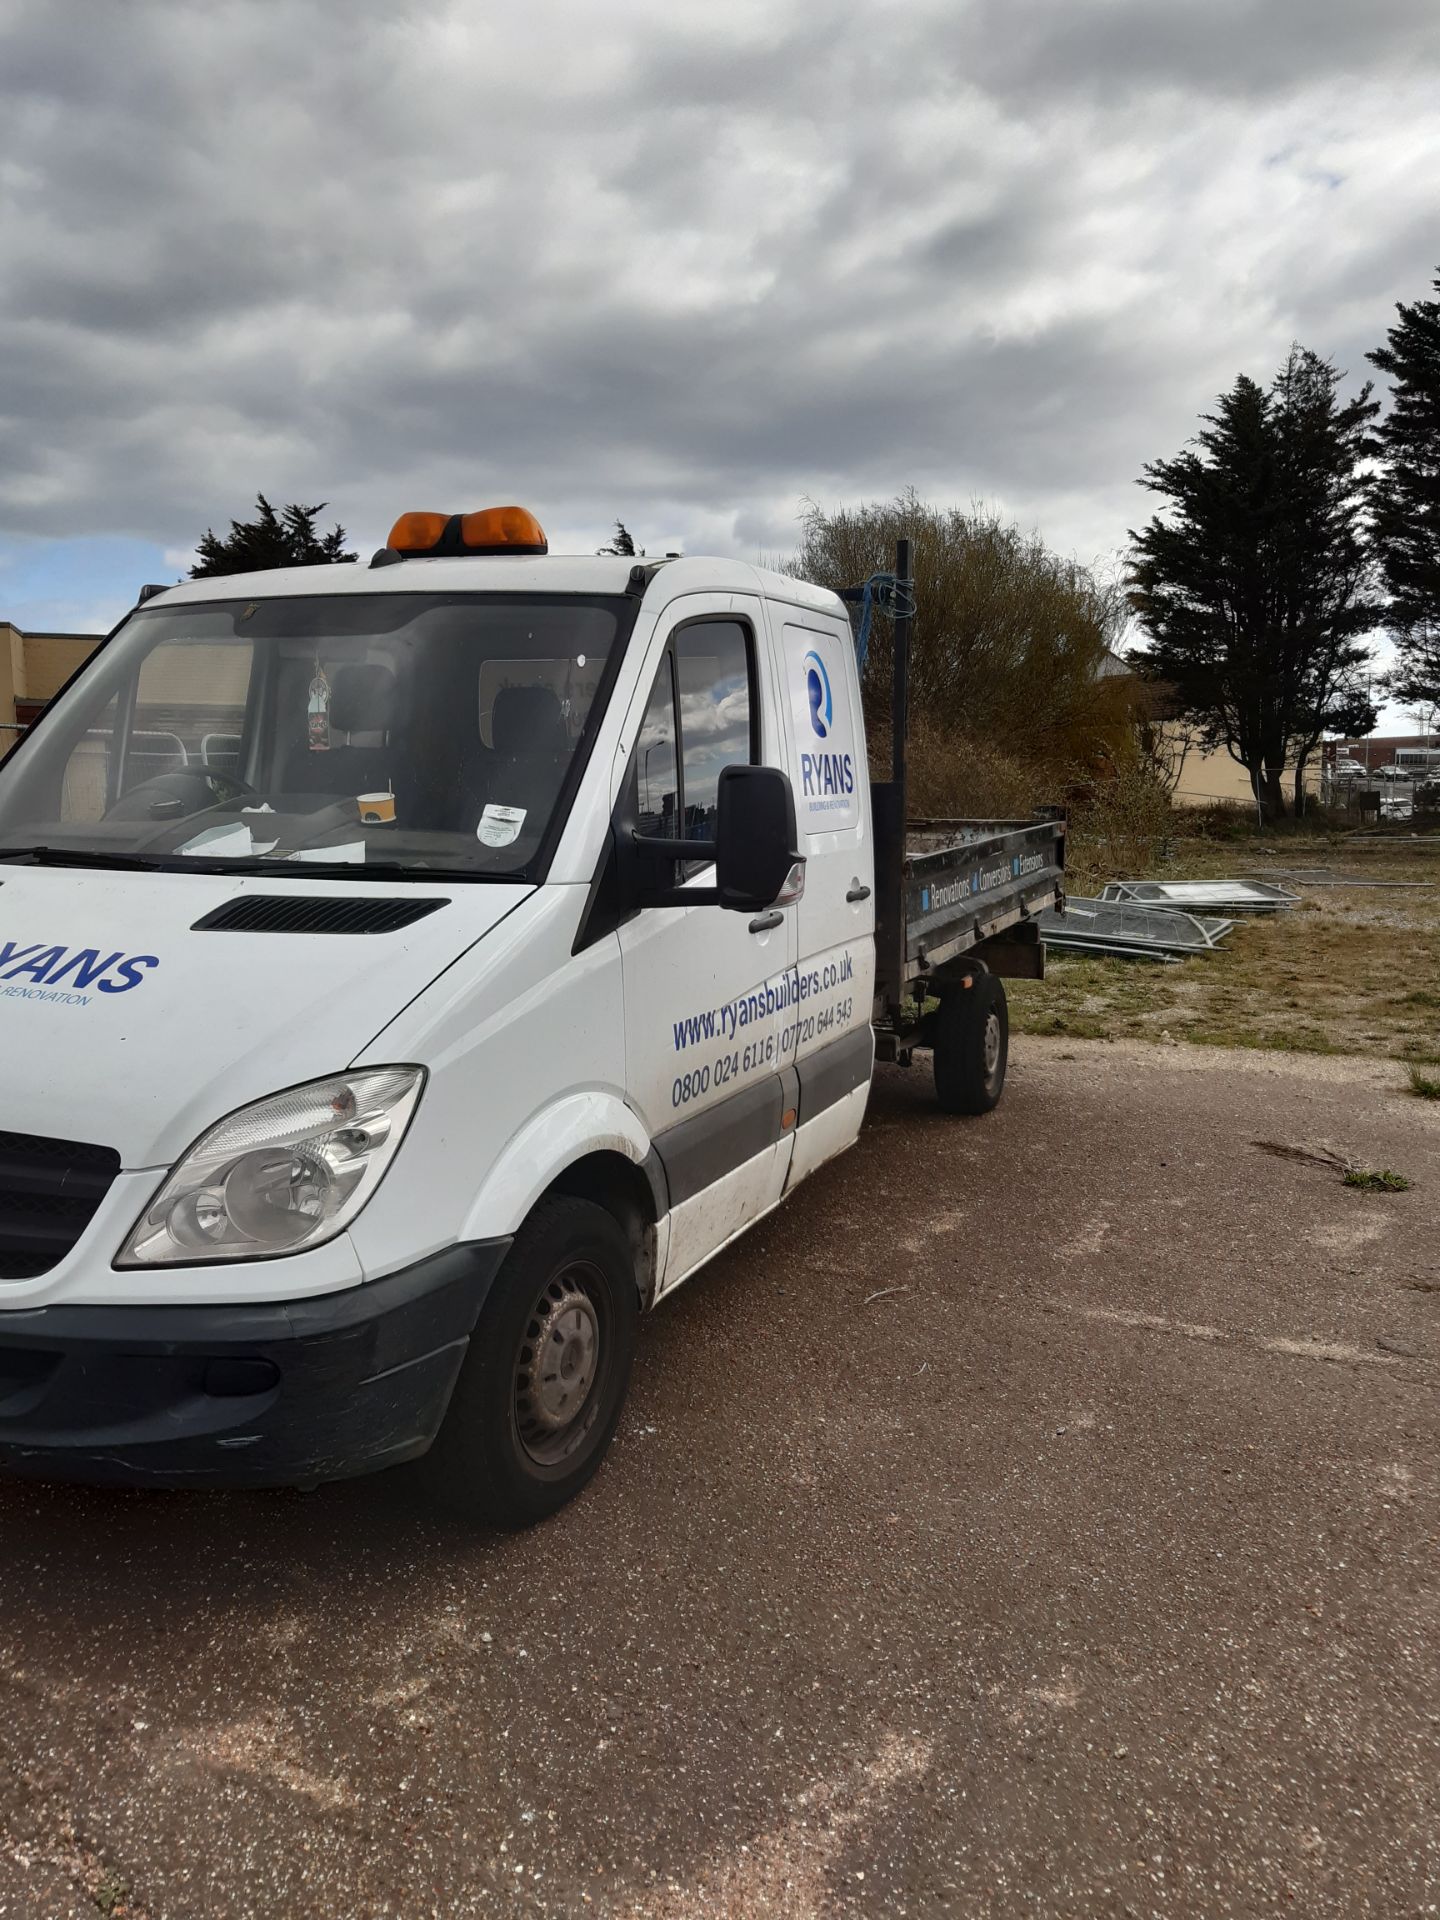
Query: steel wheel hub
(992,1044)
(557,1367)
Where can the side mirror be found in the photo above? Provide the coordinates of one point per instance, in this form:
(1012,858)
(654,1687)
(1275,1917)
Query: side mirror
(756,862)
(755,851)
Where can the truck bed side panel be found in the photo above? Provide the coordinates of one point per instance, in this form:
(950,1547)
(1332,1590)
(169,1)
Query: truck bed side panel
(963,883)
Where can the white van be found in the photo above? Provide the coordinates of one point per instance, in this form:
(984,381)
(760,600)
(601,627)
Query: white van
(411,972)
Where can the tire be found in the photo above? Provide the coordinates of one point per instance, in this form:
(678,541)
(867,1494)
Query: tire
(972,1046)
(516,1443)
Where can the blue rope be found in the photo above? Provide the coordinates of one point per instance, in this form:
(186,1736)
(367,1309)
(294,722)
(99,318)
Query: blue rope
(894,597)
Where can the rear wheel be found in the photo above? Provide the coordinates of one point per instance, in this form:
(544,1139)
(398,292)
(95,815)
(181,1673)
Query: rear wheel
(972,1045)
(540,1393)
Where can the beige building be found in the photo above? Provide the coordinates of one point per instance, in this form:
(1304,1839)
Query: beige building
(1206,778)
(33,668)
(1209,777)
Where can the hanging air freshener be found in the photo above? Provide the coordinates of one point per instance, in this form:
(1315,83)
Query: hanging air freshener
(318,725)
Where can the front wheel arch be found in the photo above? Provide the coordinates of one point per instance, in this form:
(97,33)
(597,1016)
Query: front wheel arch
(633,1195)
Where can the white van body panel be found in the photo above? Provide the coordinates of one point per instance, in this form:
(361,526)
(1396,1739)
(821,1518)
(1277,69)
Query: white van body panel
(830,1132)
(686,965)
(589,1120)
(519,1025)
(826,759)
(202,1023)
(705,1225)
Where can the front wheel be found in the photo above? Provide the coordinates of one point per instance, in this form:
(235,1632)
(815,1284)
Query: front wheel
(972,1046)
(539,1396)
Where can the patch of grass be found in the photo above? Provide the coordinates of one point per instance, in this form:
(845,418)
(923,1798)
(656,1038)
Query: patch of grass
(1072,1026)
(1296,1040)
(1372,1181)
(1423,1085)
(1335,977)
(111,1894)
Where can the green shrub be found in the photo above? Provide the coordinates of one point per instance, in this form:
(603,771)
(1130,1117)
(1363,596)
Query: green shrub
(1383,1181)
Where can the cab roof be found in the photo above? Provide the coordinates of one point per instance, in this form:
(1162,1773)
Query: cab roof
(507,573)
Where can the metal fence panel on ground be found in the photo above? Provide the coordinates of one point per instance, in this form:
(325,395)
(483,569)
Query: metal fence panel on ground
(1303,877)
(1122,928)
(1214,896)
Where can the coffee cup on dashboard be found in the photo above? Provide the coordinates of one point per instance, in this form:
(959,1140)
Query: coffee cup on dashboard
(376,809)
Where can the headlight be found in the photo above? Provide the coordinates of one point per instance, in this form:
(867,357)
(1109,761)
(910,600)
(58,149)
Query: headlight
(281,1176)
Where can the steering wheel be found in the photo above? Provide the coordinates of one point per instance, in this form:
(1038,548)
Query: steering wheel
(179,793)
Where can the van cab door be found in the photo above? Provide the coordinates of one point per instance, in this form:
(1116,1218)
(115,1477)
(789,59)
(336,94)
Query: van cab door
(836,915)
(709,994)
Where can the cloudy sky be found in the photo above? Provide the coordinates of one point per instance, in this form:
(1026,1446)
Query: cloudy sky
(685,262)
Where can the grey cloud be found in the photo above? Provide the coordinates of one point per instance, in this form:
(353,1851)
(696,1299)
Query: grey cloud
(1239,49)
(684,266)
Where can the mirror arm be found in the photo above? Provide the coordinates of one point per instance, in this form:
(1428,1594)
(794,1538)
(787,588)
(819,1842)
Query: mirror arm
(637,845)
(703,850)
(685,897)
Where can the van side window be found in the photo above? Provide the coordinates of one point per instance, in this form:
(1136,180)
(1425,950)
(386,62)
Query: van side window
(656,772)
(705,676)
(712,670)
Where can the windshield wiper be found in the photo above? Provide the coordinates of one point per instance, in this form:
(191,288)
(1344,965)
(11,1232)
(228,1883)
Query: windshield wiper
(363,870)
(293,869)
(76,857)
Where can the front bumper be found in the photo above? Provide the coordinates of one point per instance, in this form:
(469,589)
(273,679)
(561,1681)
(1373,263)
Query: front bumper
(283,1393)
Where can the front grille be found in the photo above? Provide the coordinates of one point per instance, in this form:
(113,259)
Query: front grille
(49,1189)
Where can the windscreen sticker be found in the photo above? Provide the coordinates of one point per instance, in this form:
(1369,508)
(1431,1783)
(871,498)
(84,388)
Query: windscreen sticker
(352,854)
(230,842)
(823,727)
(500,825)
(65,975)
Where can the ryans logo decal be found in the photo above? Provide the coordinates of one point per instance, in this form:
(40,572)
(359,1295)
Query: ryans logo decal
(76,969)
(817,690)
(824,731)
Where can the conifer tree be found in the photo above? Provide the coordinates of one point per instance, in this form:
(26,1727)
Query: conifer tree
(271,539)
(1407,498)
(1254,584)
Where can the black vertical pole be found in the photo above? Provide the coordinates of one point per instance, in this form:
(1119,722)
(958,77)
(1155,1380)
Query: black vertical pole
(900,703)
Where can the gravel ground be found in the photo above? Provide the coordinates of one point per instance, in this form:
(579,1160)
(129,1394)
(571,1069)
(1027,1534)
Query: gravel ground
(1088,1567)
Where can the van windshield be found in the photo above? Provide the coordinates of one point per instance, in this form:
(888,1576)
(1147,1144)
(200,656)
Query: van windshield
(418,733)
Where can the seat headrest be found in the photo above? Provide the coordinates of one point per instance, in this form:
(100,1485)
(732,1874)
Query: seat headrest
(527,720)
(363,698)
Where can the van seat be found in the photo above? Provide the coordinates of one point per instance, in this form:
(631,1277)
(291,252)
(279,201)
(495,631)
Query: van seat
(531,748)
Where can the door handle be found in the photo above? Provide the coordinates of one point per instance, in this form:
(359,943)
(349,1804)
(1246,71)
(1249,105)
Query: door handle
(765,921)
(857,892)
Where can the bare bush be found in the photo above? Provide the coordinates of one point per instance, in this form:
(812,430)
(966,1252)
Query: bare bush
(1010,643)
(1122,821)
(954,776)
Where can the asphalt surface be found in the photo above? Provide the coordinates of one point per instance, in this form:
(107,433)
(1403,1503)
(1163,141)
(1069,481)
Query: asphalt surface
(1037,1515)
